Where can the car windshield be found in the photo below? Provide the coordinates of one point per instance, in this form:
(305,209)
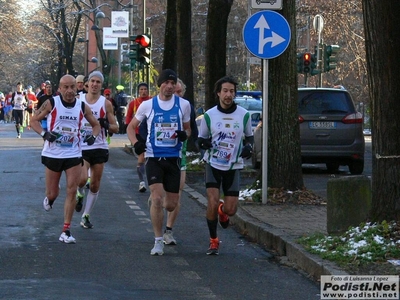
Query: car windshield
(324,102)
(249,103)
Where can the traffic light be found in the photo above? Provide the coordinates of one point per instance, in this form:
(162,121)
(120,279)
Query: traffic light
(314,67)
(306,63)
(330,52)
(133,55)
(144,52)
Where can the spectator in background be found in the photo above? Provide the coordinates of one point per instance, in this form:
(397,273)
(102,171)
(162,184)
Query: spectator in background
(8,108)
(107,94)
(42,99)
(141,130)
(41,90)
(2,102)
(121,101)
(79,84)
(85,85)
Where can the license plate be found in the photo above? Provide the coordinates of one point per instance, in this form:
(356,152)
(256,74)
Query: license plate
(322,125)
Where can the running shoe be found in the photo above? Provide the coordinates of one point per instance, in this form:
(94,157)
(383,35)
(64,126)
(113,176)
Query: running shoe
(168,238)
(79,201)
(67,238)
(18,136)
(142,187)
(222,217)
(158,248)
(214,246)
(47,205)
(85,222)
(88,183)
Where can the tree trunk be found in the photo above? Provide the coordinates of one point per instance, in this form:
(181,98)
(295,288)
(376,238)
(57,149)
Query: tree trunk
(185,63)
(184,31)
(382,43)
(170,41)
(284,156)
(217,23)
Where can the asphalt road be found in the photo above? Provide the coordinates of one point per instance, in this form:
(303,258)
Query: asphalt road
(112,260)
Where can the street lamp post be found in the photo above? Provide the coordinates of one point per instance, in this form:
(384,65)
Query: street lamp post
(87,61)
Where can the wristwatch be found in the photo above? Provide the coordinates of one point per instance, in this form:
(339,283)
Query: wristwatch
(43,133)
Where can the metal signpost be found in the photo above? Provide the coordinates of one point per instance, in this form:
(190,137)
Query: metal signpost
(318,24)
(266,35)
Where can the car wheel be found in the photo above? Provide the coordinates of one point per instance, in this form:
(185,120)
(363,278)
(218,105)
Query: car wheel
(356,167)
(333,168)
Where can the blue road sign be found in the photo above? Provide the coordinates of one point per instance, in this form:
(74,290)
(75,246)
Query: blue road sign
(266,34)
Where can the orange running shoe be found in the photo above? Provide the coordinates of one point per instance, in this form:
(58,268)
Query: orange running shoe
(223,217)
(214,245)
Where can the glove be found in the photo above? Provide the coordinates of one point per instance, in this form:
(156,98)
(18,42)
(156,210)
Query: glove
(89,139)
(104,123)
(205,143)
(182,136)
(247,151)
(140,147)
(50,136)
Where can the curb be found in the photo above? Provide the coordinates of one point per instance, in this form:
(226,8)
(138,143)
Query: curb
(277,240)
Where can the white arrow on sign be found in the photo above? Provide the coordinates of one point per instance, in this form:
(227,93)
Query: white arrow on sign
(275,39)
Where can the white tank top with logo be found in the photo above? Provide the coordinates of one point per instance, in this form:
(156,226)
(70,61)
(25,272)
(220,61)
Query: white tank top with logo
(65,122)
(99,111)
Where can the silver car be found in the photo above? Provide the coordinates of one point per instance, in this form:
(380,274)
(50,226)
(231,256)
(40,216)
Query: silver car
(331,130)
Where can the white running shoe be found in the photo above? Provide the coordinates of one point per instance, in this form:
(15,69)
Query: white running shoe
(142,187)
(46,204)
(168,238)
(158,248)
(67,238)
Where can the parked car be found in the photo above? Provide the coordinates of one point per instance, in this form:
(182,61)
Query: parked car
(367,131)
(249,100)
(331,130)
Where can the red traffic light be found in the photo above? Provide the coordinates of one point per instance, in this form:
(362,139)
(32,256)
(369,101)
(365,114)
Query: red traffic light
(143,40)
(306,62)
(306,58)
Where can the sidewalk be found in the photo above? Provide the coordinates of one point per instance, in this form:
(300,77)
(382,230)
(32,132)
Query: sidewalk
(277,227)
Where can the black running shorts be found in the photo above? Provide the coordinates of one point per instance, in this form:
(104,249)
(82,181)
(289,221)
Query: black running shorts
(61,164)
(230,180)
(165,170)
(95,156)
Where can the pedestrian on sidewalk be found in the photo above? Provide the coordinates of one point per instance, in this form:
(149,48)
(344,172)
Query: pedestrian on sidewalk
(221,134)
(95,155)
(62,146)
(168,236)
(141,130)
(168,123)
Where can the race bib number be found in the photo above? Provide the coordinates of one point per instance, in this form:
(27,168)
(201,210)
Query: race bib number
(222,153)
(65,138)
(165,135)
